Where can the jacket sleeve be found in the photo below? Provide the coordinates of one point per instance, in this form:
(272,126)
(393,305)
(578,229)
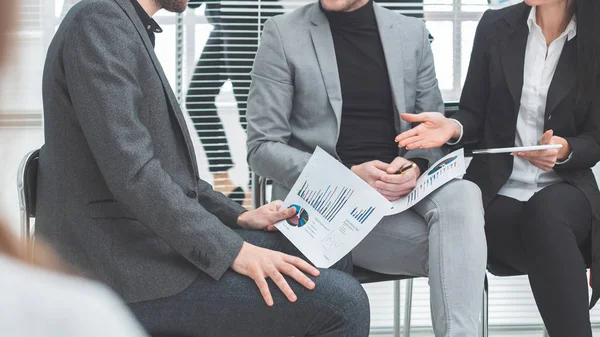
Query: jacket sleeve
(269,110)
(585,146)
(101,71)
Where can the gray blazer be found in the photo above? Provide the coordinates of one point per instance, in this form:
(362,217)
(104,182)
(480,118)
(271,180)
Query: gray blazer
(119,193)
(295,101)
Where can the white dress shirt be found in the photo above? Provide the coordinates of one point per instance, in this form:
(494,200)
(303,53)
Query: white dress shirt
(540,64)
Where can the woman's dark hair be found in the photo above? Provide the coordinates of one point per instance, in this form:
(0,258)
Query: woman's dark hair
(38,255)
(587,14)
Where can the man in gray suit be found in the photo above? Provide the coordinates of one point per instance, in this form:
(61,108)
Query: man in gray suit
(120,197)
(337,74)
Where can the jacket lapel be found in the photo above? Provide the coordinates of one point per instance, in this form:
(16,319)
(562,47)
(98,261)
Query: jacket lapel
(325,50)
(130,11)
(392,38)
(512,52)
(564,77)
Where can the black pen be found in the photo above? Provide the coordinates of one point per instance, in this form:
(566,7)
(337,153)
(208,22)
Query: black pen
(406,168)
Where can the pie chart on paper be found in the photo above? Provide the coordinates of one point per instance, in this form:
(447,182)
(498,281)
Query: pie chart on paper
(300,219)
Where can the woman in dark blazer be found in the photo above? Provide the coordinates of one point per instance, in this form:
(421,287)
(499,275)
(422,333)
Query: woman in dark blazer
(533,79)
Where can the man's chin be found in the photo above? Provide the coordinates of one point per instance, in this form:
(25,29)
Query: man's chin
(334,5)
(177,10)
(174,6)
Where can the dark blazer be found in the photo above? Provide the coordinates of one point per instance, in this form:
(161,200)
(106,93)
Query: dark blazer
(490,104)
(119,193)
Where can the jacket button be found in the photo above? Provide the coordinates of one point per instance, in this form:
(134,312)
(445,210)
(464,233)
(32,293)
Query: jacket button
(192,194)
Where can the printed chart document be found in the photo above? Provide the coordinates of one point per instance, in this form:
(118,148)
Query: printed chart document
(336,209)
(450,167)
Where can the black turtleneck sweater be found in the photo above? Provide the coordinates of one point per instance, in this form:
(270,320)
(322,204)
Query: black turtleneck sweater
(367,129)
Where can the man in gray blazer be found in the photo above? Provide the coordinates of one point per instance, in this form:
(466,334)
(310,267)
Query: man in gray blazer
(337,74)
(120,197)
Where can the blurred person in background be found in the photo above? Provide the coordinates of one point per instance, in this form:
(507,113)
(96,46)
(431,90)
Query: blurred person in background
(42,297)
(228,55)
(38,296)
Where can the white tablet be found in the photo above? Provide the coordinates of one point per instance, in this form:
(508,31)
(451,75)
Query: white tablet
(518,149)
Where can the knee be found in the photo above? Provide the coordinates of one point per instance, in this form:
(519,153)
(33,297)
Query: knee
(346,297)
(459,194)
(460,202)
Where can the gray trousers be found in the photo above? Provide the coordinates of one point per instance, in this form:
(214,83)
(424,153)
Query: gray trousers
(233,305)
(442,238)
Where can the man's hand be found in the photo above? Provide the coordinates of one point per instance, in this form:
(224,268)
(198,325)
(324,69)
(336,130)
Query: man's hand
(394,186)
(371,171)
(384,179)
(434,131)
(265,217)
(259,264)
(546,159)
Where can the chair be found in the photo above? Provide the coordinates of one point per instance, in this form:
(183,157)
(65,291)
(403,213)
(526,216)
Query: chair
(502,270)
(364,276)
(27,189)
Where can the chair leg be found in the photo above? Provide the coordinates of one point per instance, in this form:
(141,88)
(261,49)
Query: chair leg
(484,310)
(408,307)
(396,330)
(259,190)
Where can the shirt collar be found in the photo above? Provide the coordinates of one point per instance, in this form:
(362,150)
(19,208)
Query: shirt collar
(149,23)
(570,31)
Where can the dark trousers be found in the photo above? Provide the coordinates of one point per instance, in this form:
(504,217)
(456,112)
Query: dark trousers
(233,305)
(548,238)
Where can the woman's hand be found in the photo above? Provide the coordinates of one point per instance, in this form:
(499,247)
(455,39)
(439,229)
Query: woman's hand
(434,131)
(546,159)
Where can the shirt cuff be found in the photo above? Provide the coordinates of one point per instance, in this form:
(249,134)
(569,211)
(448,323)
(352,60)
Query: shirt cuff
(566,160)
(461,133)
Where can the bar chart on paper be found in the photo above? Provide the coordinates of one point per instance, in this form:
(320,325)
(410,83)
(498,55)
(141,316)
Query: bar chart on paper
(328,201)
(431,177)
(362,215)
(335,210)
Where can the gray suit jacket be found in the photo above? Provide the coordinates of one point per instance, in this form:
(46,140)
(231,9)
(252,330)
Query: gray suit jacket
(295,101)
(119,193)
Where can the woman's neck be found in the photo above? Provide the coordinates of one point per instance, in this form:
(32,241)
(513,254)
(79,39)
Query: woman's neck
(553,19)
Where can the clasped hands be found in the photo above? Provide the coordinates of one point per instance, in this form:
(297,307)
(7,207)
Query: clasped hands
(436,130)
